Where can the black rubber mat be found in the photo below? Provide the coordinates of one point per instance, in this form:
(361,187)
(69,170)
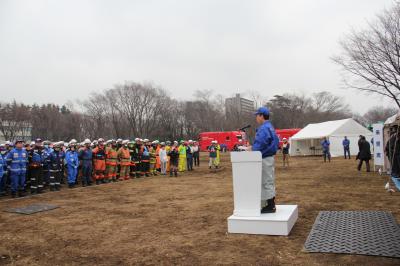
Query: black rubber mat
(374,233)
(34,208)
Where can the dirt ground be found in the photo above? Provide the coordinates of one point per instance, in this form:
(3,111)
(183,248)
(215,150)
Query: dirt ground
(164,221)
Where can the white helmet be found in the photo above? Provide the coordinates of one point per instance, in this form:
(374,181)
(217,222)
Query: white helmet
(146,140)
(124,142)
(100,140)
(87,141)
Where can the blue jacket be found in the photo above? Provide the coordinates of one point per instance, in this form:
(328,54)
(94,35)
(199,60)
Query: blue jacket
(71,159)
(266,140)
(17,159)
(2,163)
(56,160)
(86,156)
(35,158)
(46,157)
(346,143)
(189,153)
(325,145)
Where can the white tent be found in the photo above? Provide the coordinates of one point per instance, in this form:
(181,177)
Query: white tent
(308,140)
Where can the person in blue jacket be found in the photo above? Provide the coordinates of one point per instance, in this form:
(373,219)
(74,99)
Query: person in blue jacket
(56,166)
(35,162)
(2,164)
(72,162)
(326,149)
(86,158)
(346,147)
(266,141)
(47,150)
(17,160)
(3,154)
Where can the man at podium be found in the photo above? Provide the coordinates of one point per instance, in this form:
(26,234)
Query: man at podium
(266,141)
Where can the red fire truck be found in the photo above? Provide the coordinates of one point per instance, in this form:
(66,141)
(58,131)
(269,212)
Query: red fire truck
(286,133)
(230,138)
(227,139)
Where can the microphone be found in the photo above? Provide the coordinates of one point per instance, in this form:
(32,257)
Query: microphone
(245,127)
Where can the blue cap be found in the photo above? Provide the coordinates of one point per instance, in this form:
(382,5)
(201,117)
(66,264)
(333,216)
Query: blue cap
(262,111)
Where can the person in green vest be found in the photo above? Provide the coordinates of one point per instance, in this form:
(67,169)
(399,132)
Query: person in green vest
(182,157)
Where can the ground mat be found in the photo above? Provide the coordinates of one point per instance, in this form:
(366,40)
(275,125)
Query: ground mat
(34,208)
(374,233)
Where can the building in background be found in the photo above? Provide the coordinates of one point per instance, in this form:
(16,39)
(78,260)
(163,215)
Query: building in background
(12,130)
(238,106)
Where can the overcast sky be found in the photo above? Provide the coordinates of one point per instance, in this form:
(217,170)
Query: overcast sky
(55,51)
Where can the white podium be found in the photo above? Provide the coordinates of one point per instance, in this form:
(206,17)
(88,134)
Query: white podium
(247,217)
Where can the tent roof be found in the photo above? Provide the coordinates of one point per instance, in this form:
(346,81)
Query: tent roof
(331,128)
(392,119)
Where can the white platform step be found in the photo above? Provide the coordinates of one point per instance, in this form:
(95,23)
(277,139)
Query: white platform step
(279,223)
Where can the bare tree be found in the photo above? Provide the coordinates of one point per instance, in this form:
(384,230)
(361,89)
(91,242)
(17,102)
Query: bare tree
(14,120)
(371,57)
(379,114)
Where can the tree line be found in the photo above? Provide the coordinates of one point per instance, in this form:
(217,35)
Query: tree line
(143,110)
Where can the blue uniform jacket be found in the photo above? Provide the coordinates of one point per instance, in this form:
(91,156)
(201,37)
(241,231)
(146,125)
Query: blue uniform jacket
(86,156)
(266,140)
(189,154)
(325,145)
(35,157)
(346,143)
(56,160)
(46,157)
(2,163)
(17,160)
(71,159)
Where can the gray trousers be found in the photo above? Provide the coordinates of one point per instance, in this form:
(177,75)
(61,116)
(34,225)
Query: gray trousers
(268,178)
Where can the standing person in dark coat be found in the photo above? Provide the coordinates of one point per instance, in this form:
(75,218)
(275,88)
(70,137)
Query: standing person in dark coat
(364,154)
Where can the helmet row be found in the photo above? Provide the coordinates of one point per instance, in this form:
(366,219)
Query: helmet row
(74,142)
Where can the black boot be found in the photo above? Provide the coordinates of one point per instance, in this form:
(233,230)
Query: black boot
(13,194)
(97,181)
(21,193)
(176,174)
(270,208)
(58,187)
(52,187)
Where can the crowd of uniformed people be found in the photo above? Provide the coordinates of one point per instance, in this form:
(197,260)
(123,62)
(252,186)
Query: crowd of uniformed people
(43,165)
